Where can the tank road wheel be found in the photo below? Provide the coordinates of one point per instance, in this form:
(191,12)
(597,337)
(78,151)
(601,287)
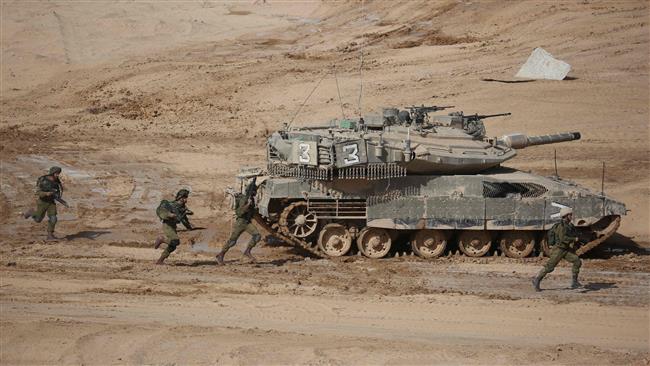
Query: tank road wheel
(474,243)
(429,243)
(374,242)
(297,221)
(335,240)
(517,244)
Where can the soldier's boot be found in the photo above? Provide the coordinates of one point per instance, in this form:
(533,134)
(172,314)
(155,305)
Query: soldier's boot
(220,256)
(51,224)
(224,250)
(29,213)
(51,237)
(574,283)
(538,280)
(247,254)
(162,258)
(158,242)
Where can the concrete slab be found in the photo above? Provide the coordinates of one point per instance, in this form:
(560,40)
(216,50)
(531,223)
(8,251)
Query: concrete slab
(542,65)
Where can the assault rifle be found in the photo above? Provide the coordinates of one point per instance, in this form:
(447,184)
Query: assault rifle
(57,194)
(181,216)
(57,197)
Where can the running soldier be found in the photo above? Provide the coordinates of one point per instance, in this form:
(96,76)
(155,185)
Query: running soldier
(48,190)
(563,237)
(244,210)
(171,213)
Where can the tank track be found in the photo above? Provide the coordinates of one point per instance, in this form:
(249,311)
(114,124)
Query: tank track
(262,224)
(601,236)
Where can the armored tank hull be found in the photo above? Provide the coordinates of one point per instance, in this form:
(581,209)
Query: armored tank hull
(505,210)
(435,183)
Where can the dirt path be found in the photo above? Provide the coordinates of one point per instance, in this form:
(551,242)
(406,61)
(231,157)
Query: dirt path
(445,310)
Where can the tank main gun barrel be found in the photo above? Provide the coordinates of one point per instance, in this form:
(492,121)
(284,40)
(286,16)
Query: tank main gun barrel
(520,141)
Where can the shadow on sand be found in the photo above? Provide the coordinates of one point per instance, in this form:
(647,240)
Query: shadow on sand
(237,261)
(597,286)
(617,245)
(86,234)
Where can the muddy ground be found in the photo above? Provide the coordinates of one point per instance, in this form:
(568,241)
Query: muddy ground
(135,101)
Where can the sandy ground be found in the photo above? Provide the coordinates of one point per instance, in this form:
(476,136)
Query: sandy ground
(135,100)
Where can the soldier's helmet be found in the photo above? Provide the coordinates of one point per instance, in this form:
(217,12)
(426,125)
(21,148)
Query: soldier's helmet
(183,193)
(565,211)
(54,170)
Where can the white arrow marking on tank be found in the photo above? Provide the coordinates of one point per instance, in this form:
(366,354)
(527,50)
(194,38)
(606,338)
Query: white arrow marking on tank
(560,206)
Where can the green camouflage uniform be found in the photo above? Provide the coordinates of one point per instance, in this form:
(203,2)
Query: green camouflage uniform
(562,237)
(243,223)
(172,213)
(45,204)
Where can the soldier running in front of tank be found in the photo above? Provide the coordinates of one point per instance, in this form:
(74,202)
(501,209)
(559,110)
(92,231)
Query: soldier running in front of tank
(244,210)
(48,191)
(171,213)
(563,238)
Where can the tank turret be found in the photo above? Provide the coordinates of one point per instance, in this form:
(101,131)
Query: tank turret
(397,143)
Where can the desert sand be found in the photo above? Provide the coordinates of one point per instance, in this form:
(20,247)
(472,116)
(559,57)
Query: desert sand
(138,99)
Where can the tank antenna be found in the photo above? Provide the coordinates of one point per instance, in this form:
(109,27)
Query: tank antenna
(305,101)
(363,14)
(602,182)
(339,92)
(555,160)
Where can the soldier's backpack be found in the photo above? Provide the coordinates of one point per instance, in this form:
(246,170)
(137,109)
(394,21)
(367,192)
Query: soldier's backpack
(163,206)
(40,181)
(232,196)
(551,236)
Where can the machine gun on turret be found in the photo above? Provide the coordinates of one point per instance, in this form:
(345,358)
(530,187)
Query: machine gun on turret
(476,117)
(473,123)
(419,114)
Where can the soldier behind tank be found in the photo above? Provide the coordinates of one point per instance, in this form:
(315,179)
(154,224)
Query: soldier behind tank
(563,237)
(47,188)
(244,210)
(171,213)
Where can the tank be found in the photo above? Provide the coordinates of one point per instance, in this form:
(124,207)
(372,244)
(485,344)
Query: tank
(434,182)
